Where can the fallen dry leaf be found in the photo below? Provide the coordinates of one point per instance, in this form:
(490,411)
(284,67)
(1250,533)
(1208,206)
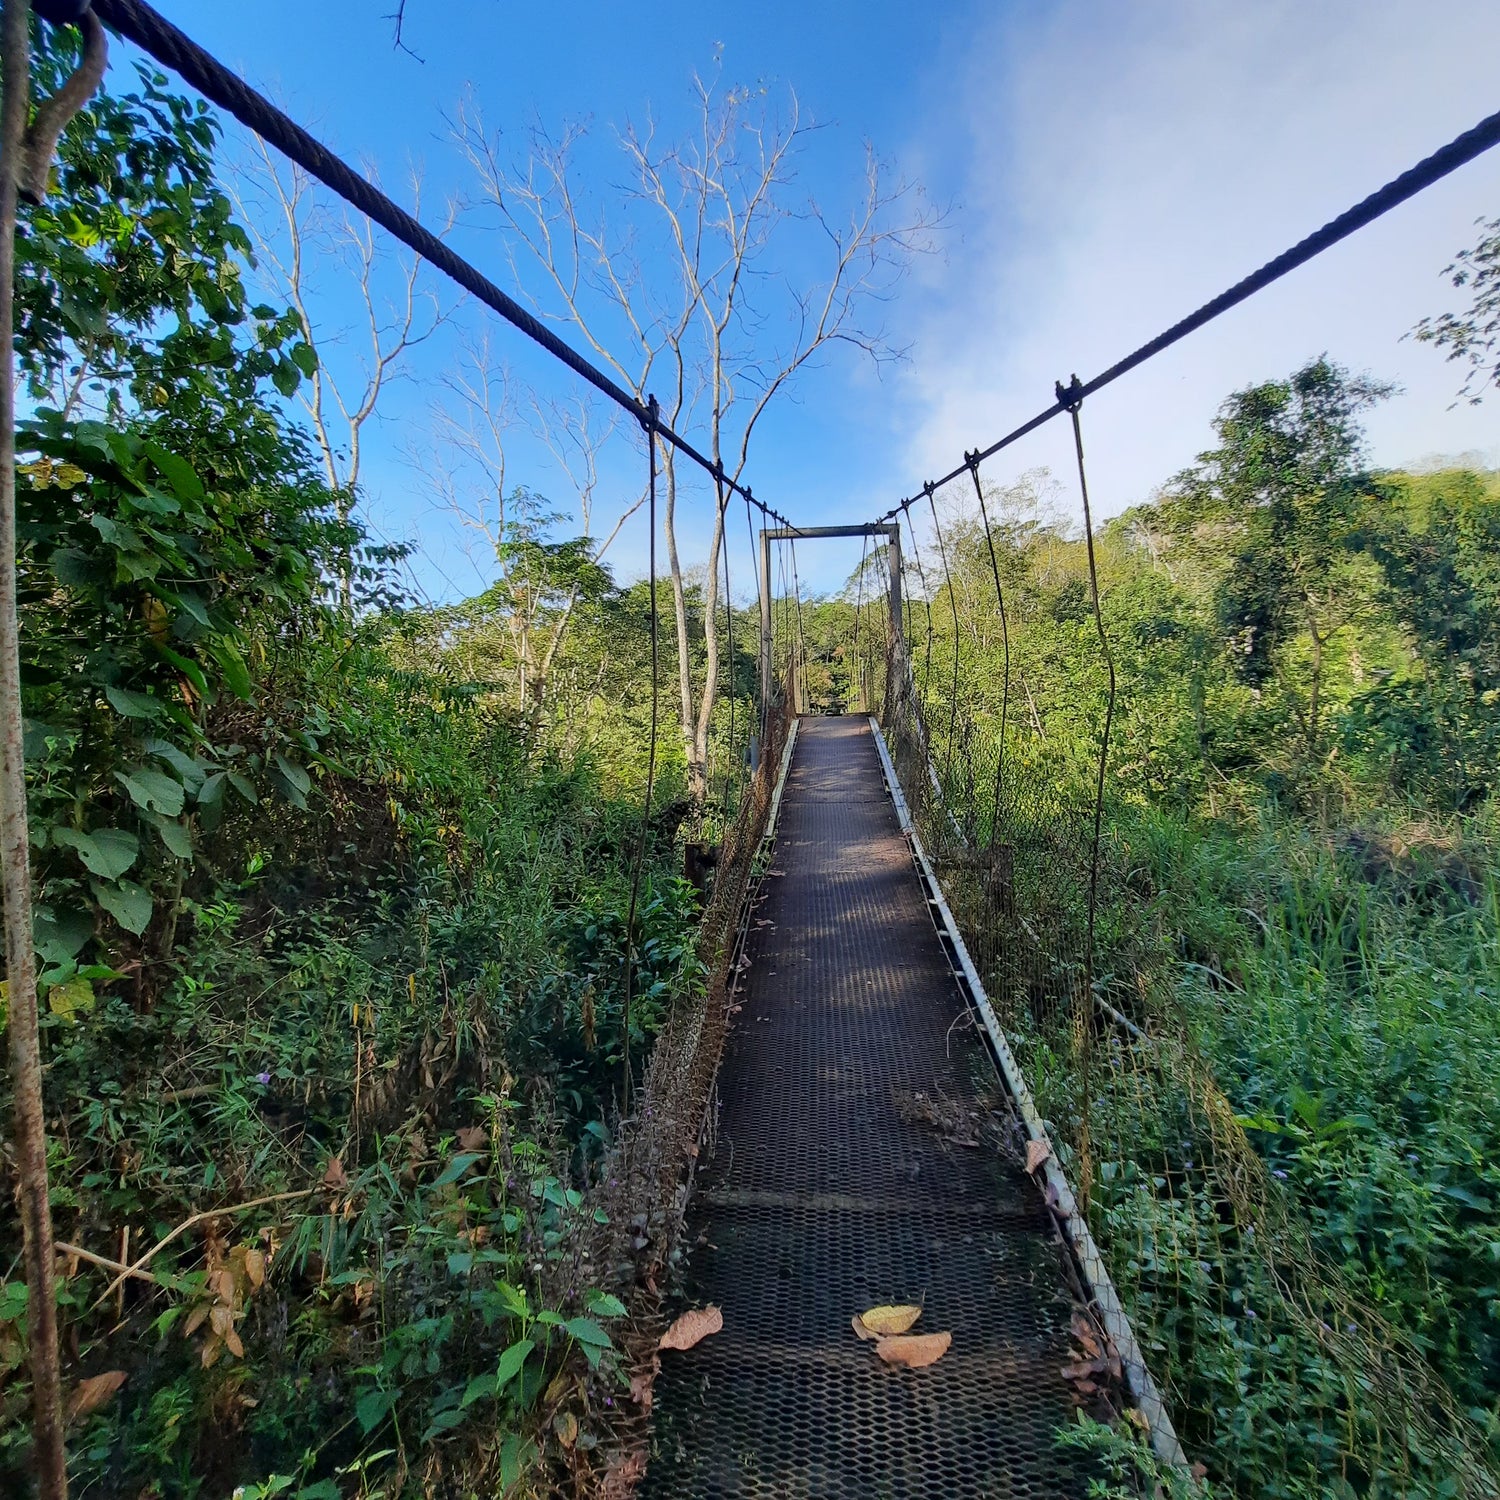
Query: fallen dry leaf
(1037,1153)
(335,1179)
(692,1328)
(565,1425)
(1084,1332)
(473,1138)
(92,1393)
(883,1321)
(913,1351)
(862,1333)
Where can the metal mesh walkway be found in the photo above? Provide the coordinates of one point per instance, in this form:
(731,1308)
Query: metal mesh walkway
(826,1196)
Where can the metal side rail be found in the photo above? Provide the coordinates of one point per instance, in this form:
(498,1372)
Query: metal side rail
(1091,1264)
(849,1171)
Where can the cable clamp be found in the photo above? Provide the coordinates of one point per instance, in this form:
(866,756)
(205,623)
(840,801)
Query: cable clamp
(651,422)
(1070,397)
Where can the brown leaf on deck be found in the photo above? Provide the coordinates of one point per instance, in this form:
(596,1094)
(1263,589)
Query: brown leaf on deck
(692,1328)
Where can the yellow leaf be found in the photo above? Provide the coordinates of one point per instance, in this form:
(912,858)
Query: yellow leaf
(565,1425)
(91,1394)
(68,1000)
(913,1351)
(68,476)
(882,1321)
(692,1328)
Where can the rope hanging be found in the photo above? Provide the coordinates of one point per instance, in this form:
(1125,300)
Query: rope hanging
(1072,397)
(640,847)
(972,460)
(953,606)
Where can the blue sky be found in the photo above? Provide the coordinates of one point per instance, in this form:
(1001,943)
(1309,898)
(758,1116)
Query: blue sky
(1106,167)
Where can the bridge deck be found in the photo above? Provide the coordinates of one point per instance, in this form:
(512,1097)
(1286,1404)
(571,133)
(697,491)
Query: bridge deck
(825,1196)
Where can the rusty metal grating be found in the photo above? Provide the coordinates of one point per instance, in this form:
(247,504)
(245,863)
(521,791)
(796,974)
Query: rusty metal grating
(821,1199)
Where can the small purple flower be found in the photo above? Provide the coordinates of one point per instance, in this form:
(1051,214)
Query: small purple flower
(1277,1173)
(263,1079)
(1249,1312)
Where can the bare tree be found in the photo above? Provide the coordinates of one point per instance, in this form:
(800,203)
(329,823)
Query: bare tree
(541,581)
(688,281)
(296,229)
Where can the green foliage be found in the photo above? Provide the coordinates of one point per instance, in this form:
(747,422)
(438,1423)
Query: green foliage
(332,924)
(1472,337)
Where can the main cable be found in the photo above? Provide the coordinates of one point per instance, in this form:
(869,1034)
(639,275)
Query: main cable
(1441,163)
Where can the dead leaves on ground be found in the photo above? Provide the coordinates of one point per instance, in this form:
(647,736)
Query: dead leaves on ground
(884,1321)
(913,1351)
(1094,1363)
(957,1125)
(886,1327)
(692,1328)
(89,1395)
(1038,1153)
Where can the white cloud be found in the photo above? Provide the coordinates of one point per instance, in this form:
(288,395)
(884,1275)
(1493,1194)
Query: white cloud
(1129,161)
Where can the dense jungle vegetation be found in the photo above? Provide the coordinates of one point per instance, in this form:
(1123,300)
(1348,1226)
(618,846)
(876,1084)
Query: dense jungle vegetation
(333,888)
(331,916)
(1299,859)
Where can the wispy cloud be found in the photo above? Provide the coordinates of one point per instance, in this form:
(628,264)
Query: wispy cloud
(1125,162)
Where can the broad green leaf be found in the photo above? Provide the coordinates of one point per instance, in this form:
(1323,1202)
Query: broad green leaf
(514,1299)
(187,666)
(132,704)
(174,835)
(236,673)
(191,771)
(294,774)
(71,999)
(476,1390)
(286,377)
(604,1305)
(154,791)
(127,903)
(511,1362)
(177,471)
(122,538)
(245,787)
(587,1331)
(443,1421)
(517,1455)
(105,852)
(456,1168)
(374,1407)
(60,934)
(304,357)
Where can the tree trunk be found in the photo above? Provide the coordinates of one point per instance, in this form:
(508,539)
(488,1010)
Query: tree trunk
(15,846)
(685,725)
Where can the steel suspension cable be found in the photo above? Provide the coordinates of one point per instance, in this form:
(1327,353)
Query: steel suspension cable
(859,605)
(937,527)
(801,638)
(916,557)
(1447,159)
(640,846)
(1072,398)
(989,541)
